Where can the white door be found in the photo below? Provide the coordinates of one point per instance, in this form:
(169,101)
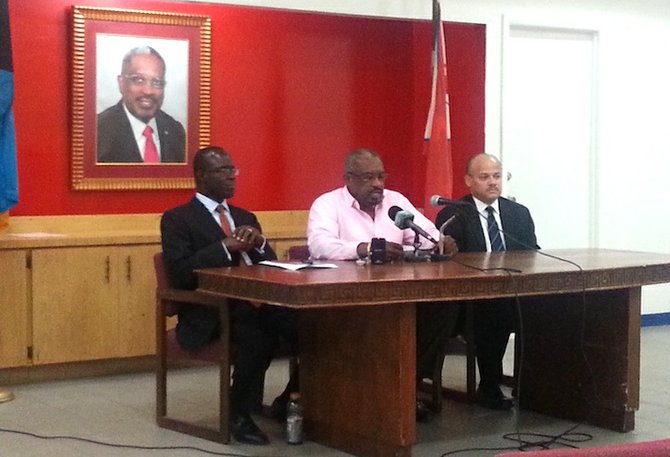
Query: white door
(549,130)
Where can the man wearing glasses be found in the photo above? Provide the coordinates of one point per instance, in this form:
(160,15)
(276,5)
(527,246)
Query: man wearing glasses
(208,232)
(342,224)
(136,130)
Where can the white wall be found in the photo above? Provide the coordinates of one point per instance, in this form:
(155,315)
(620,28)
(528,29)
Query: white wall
(633,84)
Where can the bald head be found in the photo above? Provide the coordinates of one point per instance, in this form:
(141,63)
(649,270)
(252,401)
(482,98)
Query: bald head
(483,175)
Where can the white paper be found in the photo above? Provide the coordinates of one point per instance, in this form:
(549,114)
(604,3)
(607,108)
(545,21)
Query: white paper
(296,266)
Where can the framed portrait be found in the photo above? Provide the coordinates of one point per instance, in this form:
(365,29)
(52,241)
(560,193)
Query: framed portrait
(140,98)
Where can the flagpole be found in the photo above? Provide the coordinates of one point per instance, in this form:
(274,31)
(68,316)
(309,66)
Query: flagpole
(437,135)
(434,66)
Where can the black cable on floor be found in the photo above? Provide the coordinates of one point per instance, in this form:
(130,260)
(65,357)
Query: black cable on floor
(547,441)
(564,439)
(123,446)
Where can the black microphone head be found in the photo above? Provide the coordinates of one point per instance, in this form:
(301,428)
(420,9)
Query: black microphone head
(436,200)
(393,211)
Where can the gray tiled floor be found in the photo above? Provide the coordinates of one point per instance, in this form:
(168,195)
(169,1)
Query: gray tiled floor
(120,409)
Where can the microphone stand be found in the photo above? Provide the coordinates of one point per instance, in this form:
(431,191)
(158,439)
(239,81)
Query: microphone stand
(417,243)
(417,255)
(441,257)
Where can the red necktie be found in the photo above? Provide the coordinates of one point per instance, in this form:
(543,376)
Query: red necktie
(223,220)
(225,226)
(150,151)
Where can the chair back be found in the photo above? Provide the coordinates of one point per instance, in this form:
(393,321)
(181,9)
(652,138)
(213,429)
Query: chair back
(163,283)
(162,280)
(168,301)
(298,252)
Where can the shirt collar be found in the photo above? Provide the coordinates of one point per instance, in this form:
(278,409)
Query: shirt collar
(481,206)
(351,201)
(138,125)
(210,204)
(355,203)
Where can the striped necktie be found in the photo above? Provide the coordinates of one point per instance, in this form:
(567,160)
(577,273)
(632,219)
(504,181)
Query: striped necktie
(494,232)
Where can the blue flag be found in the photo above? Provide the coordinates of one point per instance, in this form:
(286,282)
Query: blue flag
(9,186)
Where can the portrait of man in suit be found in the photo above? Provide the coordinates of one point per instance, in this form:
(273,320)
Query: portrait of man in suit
(136,130)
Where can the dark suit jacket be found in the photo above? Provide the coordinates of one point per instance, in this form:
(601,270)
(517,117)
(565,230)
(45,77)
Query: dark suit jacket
(191,240)
(116,143)
(493,319)
(466,229)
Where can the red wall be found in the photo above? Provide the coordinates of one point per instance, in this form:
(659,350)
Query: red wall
(292,93)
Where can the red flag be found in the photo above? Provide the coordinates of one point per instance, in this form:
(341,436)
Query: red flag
(437,136)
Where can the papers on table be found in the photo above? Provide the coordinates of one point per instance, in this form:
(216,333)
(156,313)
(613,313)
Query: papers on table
(293,266)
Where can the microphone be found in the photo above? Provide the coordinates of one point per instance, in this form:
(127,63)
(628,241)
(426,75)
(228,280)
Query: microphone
(405,220)
(436,200)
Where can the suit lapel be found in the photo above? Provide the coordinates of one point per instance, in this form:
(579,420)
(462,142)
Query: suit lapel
(512,224)
(475,228)
(204,219)
(165,139)
(508,216)
(129,145)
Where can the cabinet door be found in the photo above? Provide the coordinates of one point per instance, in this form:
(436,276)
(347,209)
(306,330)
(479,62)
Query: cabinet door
(137,300)
(14,322)
(75,312)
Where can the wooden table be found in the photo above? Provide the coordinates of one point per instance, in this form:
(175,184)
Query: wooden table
(581,334)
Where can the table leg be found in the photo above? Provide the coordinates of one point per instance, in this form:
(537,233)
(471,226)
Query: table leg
(357,378)
(583,362)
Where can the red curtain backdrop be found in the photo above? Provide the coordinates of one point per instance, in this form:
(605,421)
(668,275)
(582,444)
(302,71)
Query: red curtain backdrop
(292,93)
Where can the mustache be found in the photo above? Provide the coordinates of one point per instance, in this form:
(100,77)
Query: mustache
(147,97)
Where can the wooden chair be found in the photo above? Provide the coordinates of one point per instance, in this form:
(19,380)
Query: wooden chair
(168,301)
(298,252)
(462,345)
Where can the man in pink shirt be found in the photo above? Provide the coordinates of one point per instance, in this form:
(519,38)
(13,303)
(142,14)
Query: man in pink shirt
(343,222)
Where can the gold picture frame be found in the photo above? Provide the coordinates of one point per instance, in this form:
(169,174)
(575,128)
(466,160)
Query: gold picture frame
(101,39)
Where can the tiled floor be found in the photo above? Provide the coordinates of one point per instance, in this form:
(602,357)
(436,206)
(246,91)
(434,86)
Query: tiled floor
(120,410)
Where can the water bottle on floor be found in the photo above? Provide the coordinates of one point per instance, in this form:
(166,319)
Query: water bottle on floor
(294,419)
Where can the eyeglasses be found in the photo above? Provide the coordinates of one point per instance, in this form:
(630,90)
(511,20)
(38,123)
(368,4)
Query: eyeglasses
(228,170)
(141,81)
(369,177)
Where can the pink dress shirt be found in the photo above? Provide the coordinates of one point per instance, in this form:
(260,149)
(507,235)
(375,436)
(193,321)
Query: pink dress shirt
(337,225)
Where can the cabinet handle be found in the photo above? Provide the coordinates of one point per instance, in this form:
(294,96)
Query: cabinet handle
(129,270)
(107,269)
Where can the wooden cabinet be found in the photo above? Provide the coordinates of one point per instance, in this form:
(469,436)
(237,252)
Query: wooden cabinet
(93,303)
(137,300)
(80,290)
(14,299)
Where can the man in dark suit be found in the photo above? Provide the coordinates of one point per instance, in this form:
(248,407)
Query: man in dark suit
(494,319)
(208,232)
(136,130)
